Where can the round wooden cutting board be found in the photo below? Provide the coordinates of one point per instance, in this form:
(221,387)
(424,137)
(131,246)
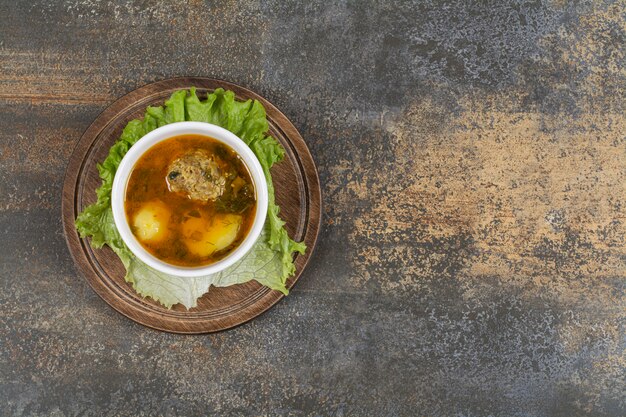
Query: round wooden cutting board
(297,194)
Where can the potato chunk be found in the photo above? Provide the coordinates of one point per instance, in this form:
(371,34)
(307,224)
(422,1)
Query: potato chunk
(151,222)
(205,236)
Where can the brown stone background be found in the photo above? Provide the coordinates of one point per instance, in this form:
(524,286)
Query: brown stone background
(472,259)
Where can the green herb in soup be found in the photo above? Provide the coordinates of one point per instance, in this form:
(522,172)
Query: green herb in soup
(190,200)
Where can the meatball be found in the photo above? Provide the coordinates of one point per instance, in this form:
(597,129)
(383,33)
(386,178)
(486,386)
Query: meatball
(198,175)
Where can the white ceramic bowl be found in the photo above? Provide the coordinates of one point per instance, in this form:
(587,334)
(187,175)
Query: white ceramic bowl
(165,132)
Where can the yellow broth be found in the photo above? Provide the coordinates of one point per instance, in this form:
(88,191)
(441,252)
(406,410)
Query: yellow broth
(174,226)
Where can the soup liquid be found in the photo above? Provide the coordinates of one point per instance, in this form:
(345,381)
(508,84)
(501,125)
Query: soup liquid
(175,228)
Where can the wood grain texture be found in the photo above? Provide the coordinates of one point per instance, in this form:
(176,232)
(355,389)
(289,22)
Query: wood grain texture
(297,193)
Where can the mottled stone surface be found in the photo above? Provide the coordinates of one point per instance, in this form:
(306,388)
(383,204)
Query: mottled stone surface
(472,259)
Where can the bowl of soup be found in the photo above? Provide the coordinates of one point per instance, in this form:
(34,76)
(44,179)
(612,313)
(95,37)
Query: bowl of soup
(189,199)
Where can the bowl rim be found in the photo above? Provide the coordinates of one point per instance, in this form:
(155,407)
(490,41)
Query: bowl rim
(122,175)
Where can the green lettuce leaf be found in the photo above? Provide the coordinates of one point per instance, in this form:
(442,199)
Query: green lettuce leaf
(270,260)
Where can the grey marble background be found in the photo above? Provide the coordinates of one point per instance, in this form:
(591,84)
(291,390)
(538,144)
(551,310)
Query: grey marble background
(472,258)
